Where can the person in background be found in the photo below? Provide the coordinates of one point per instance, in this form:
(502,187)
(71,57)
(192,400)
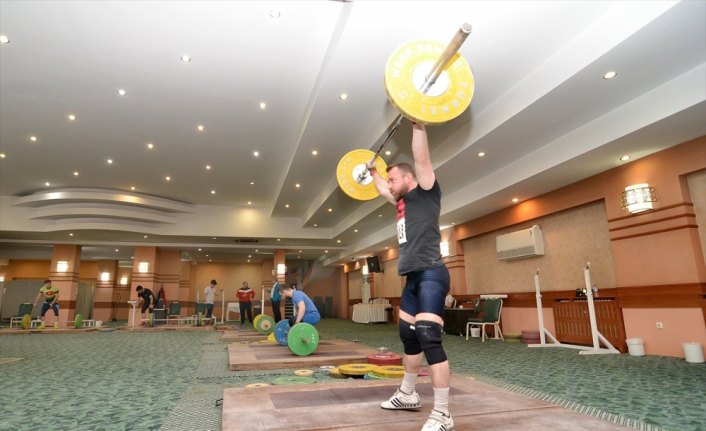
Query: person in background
(245,295)
(304,308)
(148,301)
(276,300)
(51,300)
(415,192)
(209,293)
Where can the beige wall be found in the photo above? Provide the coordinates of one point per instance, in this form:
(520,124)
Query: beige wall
(697,189)
(571,239)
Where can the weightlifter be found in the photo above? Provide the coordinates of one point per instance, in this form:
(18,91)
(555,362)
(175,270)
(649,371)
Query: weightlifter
(417,196)
(304,308)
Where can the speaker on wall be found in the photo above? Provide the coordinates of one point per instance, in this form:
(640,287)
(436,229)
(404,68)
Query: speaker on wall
(373,264)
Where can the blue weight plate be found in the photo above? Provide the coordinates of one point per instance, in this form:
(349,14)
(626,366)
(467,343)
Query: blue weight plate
(281,331)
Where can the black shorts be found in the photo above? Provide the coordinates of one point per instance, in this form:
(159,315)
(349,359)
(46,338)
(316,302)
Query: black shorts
(145,306)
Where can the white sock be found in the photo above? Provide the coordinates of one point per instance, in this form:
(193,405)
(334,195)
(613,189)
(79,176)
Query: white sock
(409,381)
(441,400)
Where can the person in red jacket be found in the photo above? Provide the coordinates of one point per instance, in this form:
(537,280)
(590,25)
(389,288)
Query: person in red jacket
(245,294)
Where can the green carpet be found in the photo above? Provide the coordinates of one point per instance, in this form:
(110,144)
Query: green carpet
(171,380)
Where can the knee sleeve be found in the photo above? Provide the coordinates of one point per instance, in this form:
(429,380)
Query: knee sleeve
(409,339)
(429,335)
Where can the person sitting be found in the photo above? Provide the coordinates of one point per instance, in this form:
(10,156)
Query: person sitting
(304,308)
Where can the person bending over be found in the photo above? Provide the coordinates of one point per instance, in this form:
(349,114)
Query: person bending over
(147,299)
(245,295)
(51,300)
(417,196)
(304,308)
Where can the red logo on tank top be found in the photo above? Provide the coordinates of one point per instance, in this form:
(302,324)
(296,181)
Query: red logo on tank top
(400,209)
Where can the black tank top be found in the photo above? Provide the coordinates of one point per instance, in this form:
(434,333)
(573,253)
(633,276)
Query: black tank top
(418,229)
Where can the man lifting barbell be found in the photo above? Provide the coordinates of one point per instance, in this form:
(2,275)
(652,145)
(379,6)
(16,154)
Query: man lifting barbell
(417,196)
(304,308)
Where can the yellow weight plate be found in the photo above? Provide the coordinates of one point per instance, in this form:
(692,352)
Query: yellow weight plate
(256,319)
(406,72)
(303,373)
(348,174)
(271,337)
(389,371)
(257,385)
(356,369)
(336,373)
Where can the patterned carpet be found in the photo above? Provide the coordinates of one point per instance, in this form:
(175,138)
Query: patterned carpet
(171,380)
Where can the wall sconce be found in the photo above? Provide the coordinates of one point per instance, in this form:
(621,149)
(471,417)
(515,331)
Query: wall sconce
(2,278)
(364,269)
(62,266)
(444,248)
(105,276)
(143,267)
(281,269)
(638,198)
(123,280)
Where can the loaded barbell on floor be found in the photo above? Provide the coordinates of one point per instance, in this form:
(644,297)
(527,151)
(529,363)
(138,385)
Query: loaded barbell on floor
(302,339)
(429,84)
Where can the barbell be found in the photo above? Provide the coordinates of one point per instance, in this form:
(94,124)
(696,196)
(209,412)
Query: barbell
(429,83)
(302,338)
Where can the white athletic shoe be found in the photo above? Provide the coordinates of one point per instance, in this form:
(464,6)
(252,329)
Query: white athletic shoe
(438,421)
(402,401)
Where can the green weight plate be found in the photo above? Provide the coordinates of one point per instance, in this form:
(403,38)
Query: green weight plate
(303,339)
(281,331)
(265,324)
(26,321)
(373,376)
(293,380)
(78,321)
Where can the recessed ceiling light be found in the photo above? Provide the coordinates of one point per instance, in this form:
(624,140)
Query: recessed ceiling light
(256,153)
(299,251)
(2,155)
(297,185)
(132,188)
(263,105)
(252,183)
(214,237)
(71,117)
(257,250)
(144,236)
(213,192)
(481,154)
(250,255)
(4,39)
(388,152)
(122,92)
(33,138)
(71,234)
(355,230)
(274,13)
(168,178)
(338,241)
(185,58)
(325,251)
(47,184)
(150,145)
(75,173)
(515,200)
(625,158)
(286,205)
(379,215)
(249,202)
(208,167)
(117,249)
(330,210)
(278,239)
(200,127)
(610,75)
(314,152)
(199,249)
(343,96)
(109,161)
(315,225)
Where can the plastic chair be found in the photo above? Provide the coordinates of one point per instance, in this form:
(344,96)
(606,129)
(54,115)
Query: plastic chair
(24,308)
(491,317)
(174,311)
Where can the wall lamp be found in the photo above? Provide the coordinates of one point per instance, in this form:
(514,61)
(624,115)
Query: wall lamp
(638,198)
(62,266)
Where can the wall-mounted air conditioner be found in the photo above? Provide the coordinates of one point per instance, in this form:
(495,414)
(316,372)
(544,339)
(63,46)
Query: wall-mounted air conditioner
(522,243)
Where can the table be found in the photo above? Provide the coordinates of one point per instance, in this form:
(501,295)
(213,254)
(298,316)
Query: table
(455,320)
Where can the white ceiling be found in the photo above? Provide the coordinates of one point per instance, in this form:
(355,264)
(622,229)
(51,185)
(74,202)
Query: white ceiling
(541,112)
